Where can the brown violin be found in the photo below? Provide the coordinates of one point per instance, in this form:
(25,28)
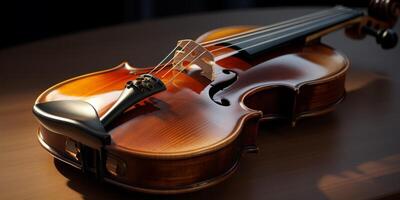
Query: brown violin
(182,125)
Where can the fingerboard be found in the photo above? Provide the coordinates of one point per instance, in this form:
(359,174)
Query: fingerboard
(258,42)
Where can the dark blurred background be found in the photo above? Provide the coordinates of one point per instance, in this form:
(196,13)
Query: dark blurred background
(26,21)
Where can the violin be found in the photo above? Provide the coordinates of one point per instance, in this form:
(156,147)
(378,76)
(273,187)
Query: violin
(183,124)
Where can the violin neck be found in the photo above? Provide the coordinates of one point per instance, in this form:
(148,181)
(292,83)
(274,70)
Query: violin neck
(301,29)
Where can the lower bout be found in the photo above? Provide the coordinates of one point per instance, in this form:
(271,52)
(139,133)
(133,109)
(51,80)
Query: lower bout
(150,175)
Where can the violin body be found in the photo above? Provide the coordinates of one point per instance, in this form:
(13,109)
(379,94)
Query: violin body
(191,136)
(295,83)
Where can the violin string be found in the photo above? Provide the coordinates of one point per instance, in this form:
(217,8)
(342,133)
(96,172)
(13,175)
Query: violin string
(270,27)
(263,42)
(266,28)
(282,30)
(251,46)
(275,32)
(162,61)
(261,29)
(170,61)
(166,64)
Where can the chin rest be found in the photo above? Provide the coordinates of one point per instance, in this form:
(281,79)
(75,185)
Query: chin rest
(75,119)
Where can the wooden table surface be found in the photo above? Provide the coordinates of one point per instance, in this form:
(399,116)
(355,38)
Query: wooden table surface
(352,153)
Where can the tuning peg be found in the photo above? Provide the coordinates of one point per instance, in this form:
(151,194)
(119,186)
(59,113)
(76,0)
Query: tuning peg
(387,38)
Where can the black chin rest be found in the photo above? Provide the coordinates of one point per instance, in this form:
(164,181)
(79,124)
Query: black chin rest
(77,120)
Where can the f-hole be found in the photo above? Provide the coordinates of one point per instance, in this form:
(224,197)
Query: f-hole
(225,80)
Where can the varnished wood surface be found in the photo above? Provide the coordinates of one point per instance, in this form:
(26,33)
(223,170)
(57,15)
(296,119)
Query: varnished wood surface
(351,153)
(183,121)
